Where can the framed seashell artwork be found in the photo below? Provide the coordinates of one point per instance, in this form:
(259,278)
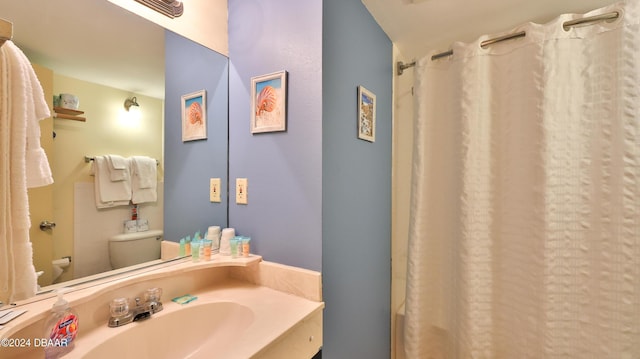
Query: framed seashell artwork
(194,116)
(269,102)
(366,114)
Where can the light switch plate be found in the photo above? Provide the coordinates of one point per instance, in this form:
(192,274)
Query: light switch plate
(214,190)
(241,190)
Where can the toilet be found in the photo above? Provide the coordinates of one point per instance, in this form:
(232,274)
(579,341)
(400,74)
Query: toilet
(134,248)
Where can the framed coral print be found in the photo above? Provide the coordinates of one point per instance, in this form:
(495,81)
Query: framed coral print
(269,103)
(194,116)
(366,114)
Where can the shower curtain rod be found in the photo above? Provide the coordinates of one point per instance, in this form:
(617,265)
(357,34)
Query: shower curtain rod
(610,16)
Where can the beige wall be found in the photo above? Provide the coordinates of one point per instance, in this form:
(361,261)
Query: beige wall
(40,198)
(105,132)
(210,30)
(401,186)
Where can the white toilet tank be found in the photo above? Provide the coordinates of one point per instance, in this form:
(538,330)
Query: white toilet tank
(133,248)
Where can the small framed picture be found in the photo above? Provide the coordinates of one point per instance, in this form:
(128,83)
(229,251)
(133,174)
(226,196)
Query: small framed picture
(366,114)
(269,103)
(194,116)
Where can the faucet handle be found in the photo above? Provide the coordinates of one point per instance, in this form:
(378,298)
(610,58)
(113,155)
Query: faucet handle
(119,307)
(152,297)
(120,313)
(153,294)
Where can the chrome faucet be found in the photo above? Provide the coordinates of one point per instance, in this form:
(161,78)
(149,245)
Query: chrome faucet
(142,311)
(122,314)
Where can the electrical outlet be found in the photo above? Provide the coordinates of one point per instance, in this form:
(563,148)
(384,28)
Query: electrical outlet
(214,190)
(241,191)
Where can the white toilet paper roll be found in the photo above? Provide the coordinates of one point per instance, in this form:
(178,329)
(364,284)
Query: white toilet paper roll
(62,262)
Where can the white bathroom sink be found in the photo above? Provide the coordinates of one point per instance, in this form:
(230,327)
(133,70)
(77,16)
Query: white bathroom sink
(233,317)
(192,331)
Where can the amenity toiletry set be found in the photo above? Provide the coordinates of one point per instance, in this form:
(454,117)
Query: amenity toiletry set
(225,241)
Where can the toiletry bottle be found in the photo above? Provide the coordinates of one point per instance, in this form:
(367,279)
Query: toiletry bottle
(201,240)
(182,252)
(207,249)
(233,243)
(195,251)
(245,246)
(60,328)
(187,245)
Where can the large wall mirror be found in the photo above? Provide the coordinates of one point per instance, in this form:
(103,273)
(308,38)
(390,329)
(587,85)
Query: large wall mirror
(105,55)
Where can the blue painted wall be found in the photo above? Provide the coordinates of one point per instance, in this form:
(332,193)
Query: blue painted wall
(190,67)
(319,198)
(284,170)
(356,183)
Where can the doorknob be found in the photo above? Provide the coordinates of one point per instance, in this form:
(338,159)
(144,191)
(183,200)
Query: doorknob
(44,225)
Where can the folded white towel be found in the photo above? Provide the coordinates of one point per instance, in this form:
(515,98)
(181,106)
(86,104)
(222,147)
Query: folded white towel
(144,171)
(145,182)
(109,193)
(118,168)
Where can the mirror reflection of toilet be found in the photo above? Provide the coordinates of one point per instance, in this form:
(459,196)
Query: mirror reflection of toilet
(59,266)
(134,248)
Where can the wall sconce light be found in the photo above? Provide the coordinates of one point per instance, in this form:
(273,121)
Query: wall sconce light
(169,8)
(130,102)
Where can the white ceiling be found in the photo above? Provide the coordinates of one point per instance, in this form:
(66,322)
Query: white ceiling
(96,41)
(417,27)
(91,40)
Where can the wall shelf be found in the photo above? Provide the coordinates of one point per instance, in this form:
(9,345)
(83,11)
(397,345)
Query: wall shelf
(68,114)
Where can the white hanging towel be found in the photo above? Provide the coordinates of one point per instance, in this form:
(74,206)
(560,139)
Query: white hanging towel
(109,193)
(23,164)
(145,179)
(118,168)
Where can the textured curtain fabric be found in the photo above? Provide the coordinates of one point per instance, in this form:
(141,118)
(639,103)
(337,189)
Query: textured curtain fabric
(525,218)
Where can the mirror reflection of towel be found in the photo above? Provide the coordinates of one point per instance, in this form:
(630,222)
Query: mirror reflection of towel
(144,179)
(118,168)
(109,193)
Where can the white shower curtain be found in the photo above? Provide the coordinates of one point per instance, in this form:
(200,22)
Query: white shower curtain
(525,213)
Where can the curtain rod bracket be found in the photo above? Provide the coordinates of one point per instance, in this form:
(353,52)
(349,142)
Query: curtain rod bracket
(401,66)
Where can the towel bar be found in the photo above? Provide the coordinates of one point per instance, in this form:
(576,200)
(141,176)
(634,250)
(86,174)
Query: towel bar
(88,159)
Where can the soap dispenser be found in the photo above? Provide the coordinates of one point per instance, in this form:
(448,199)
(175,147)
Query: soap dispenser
(61,328)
